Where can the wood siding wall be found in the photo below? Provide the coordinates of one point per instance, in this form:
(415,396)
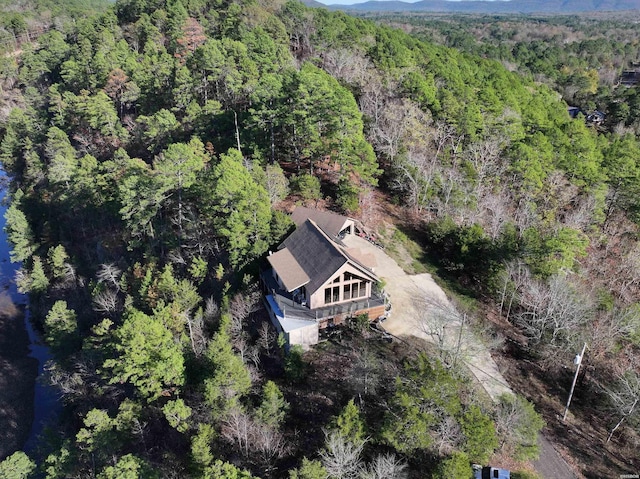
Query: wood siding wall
(316,300)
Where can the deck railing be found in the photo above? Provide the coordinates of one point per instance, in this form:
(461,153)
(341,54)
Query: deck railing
(295,310)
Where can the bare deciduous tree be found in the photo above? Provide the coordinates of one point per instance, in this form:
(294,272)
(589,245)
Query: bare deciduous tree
(175,256)
(242,305)
(581,216)
(609,327)
(447,436)
(236,429)
(526,214)
(248,352)
(106,301)
(266,337)
(341,457)
(553,312)
(211,310)
(514,277)
(268,442)
(518,424)
(252,436)
(626,275)
(496,208)
(349,65)
(448,328)
(375,94)
(484,156)
(624,399)
(277,184)
(364,375)
(68,277)
(197,333)
(110,274)
(69,383)
(385,466)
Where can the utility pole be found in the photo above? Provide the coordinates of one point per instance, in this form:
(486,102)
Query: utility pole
(578,362)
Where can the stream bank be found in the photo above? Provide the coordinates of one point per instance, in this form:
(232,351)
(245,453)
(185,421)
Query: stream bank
(18,372)
(26,404)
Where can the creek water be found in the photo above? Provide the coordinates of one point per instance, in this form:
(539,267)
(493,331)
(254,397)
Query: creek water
(46,400)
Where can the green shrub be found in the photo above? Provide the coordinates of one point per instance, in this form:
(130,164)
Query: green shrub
(525,475)
(307,186)
(518,425)
(480,434)
(457,466)
(348,195)
(294,366)
(360,323)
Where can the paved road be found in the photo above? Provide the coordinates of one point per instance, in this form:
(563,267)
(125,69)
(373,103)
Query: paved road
(421,309)
(550,465)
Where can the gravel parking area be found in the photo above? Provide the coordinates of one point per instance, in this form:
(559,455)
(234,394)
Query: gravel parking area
(412,300)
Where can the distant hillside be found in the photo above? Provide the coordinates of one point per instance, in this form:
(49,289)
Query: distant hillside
(314,4)
(498,6)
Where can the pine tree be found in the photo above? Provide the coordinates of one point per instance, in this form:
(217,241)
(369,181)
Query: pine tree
(349,423)
(230,379)
(148,357)
(273,408)
(19,231)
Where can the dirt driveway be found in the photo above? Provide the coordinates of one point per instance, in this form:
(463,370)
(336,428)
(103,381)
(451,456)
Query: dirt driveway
(415,300)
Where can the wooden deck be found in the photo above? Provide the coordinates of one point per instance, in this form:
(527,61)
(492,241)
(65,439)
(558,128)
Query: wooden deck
(335,314)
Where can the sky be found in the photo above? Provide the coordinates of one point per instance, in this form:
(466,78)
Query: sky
(352,2)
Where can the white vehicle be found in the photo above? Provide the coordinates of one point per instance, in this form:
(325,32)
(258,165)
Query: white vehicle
(488,472)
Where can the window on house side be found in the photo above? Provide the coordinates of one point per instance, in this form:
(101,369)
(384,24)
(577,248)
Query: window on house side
(347,291)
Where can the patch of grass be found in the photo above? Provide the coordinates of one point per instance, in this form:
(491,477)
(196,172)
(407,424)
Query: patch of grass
(405,247)
(525,475)
(412,257)
(412,262)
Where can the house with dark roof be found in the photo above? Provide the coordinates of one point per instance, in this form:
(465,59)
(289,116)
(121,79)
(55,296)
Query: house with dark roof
(315,281)
(630,77)
(574,111)
(333,224)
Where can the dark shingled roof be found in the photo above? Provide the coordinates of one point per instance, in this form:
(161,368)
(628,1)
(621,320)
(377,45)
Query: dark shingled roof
(330,223)
(318,255)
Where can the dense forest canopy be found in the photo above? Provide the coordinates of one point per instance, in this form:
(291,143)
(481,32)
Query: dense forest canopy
(149,147)
(20,21)
(582,57)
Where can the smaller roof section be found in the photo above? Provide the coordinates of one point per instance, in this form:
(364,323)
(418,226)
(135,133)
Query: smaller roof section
(290,272)
(367,260)
(331,223)
(574,111)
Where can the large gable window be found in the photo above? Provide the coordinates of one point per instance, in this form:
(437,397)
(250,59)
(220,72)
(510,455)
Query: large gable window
(332,295)
(352,277)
